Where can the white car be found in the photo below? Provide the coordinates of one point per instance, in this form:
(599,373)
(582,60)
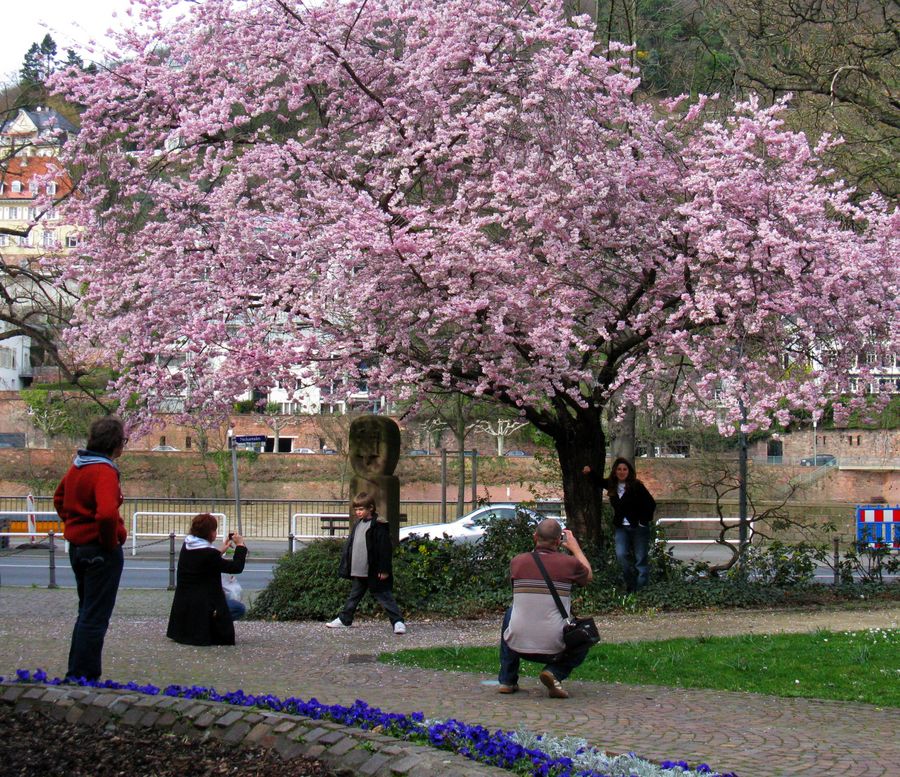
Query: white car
(164,448)
(303,450)
(466,529)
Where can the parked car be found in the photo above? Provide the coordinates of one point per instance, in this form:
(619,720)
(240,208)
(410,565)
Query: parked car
(328,451)
(822,460)
(417,452)
(516,454)
(302,450)
(164,448)
(466,529)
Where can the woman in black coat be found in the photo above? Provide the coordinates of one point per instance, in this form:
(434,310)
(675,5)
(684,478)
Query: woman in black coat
(633,509)
(200,613)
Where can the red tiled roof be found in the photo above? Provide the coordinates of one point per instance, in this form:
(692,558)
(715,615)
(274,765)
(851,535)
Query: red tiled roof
(26,169)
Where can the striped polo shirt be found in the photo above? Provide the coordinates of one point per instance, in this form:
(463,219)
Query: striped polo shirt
(536,624)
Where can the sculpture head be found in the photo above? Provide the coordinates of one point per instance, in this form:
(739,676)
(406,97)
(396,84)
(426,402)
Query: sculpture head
(374,445)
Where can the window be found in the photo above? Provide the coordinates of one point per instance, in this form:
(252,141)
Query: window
(49,239)
(33,187)
(17,186)
(71,241)
(51,187)
(3,240)
(13,213)
(162,440)
(7,358)
(187,442)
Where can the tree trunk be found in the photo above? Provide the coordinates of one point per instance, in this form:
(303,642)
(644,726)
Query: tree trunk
(580,442)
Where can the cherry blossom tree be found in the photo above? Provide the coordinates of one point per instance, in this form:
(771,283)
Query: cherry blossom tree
(463,195)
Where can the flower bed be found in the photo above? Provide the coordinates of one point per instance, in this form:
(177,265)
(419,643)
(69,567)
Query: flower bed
(521,752)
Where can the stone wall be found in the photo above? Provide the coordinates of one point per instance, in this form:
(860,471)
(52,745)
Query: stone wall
(344,749)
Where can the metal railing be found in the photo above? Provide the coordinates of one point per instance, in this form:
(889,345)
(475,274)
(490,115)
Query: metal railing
(261,519)
(733,523)
(153,525)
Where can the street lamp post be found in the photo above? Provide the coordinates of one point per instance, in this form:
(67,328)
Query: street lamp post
(815,441)
(742,481)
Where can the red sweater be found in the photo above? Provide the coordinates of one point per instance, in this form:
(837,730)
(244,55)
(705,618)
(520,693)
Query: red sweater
(88,499)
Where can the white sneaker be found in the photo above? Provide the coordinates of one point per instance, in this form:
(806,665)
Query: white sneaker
(399,627)
(337,623)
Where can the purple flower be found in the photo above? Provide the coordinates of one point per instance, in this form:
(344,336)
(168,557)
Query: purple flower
(475,742)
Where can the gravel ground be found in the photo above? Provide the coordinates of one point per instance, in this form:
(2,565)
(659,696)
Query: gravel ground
(35,745)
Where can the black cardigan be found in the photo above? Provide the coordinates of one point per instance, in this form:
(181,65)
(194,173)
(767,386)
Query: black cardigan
(379,551)
(199,614)
(636,504)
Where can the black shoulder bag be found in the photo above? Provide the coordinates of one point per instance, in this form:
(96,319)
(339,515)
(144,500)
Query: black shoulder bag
(576,631)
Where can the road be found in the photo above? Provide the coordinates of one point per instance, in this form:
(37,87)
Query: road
(31,567)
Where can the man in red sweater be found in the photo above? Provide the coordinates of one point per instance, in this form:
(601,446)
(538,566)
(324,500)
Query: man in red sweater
(88,500)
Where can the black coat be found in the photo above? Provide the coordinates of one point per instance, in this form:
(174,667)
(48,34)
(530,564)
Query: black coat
(199,613)
(636,504)
(380,553)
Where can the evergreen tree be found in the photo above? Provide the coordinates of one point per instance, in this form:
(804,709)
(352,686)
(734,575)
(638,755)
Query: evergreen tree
(31,66)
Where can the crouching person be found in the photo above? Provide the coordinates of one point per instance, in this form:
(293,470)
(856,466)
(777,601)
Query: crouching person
(533,627)
(201,613)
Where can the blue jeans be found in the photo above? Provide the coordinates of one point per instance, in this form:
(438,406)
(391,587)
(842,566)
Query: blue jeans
(97,572)
(632,551)
(559,665)
(358,588)
(236,608)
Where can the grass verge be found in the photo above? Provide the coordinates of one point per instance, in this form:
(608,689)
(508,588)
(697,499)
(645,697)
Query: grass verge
(857,666)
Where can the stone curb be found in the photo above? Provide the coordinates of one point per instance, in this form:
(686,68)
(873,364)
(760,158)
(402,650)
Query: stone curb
(346,750)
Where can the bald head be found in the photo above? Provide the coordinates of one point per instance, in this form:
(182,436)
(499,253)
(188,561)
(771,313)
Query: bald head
(548,533)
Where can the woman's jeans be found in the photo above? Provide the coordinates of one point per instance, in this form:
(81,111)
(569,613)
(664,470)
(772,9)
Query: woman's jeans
(632,551)
(560,665)
(358,588)
(237,609)
(97,572)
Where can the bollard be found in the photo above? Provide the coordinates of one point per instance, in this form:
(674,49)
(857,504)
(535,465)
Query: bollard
(51,535)
(171,561)
(837,560)
(291,544)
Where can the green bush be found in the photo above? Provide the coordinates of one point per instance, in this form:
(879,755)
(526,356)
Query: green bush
(305,585)
(462,580)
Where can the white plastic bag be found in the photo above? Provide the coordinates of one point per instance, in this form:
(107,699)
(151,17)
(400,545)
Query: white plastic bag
(231,587)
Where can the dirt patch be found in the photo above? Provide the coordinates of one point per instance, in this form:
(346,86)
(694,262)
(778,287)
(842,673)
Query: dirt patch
(36,745)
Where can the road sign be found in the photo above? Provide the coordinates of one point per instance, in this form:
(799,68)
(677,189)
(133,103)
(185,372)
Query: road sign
(241,439)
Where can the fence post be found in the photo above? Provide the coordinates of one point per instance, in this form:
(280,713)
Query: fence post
(171,561)
(474,478)
(443,485)
(291,544)
(837,560)
(51,535)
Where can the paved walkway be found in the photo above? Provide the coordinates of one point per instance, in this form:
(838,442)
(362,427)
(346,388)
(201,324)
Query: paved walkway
(756,736)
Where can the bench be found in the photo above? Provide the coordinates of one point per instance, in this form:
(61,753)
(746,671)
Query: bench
(331,523)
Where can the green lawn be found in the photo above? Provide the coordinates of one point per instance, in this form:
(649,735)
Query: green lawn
(861,666)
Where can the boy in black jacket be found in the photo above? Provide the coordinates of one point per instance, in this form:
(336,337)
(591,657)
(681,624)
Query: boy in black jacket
(367,563)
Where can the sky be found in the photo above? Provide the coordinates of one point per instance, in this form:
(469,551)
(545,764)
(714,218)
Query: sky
(71,23)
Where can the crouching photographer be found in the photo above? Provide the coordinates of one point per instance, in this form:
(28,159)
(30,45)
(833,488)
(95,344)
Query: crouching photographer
(201,613)
(533,627)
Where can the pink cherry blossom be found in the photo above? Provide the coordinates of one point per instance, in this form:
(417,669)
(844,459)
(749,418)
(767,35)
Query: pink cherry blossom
(461,193)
